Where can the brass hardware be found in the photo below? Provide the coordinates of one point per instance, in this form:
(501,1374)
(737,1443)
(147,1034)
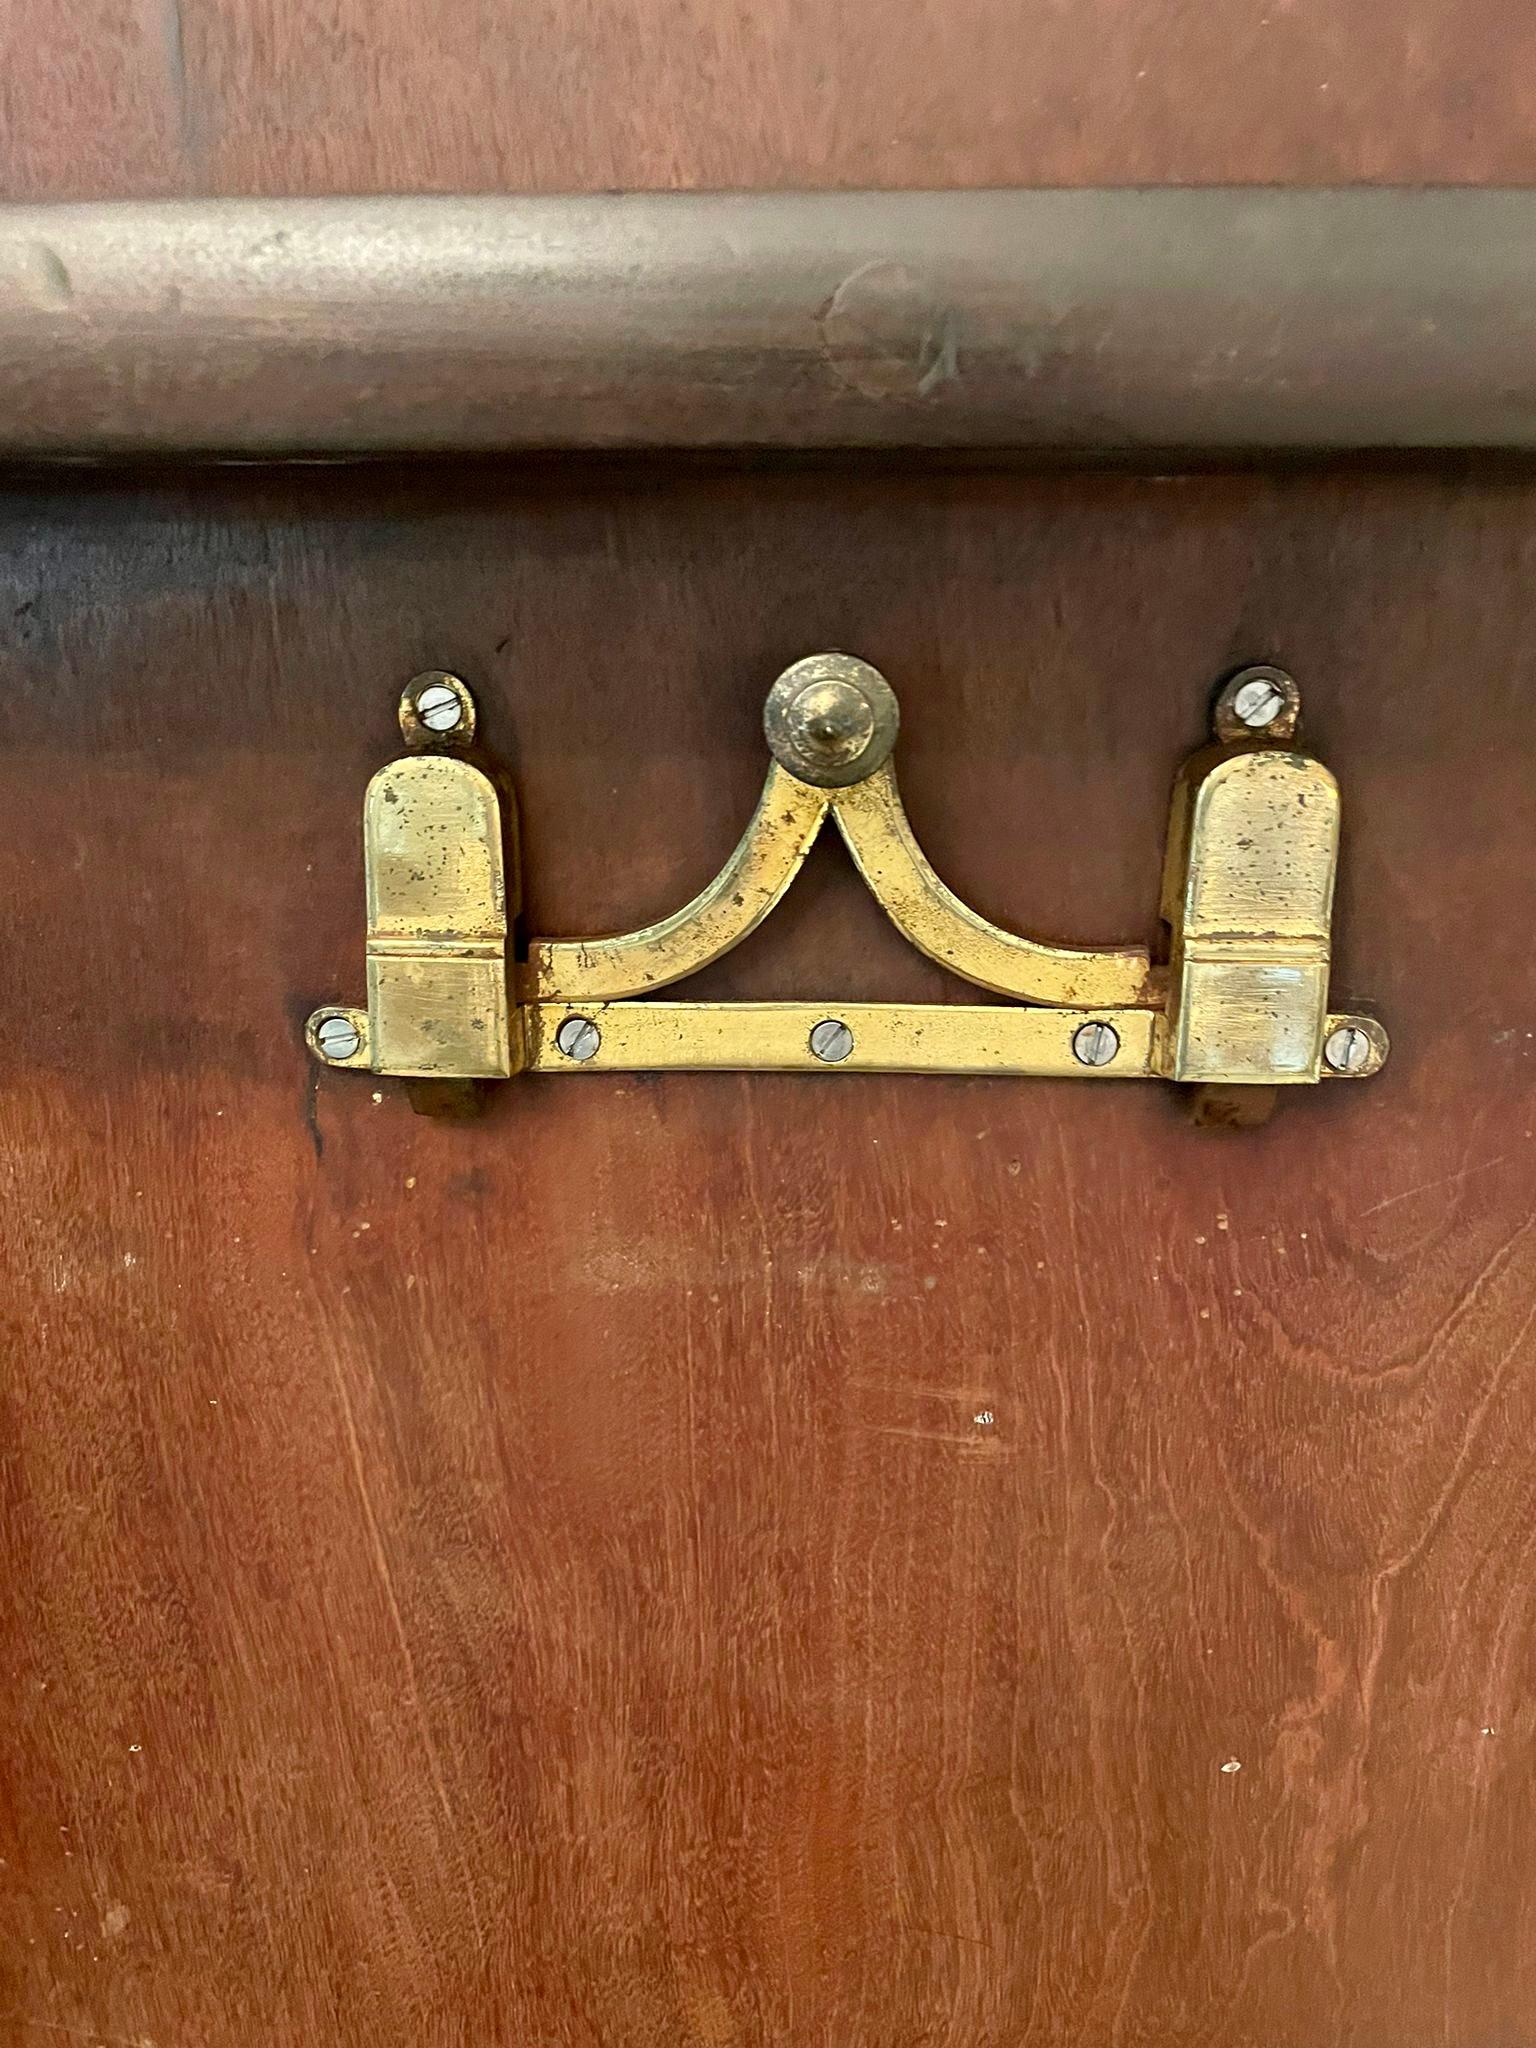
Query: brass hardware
(831,720)
(766,861)
(1247,897)
(873,822)
(884,1038)
(1257,703)
(437,915)
(1354,1049)
(437,710)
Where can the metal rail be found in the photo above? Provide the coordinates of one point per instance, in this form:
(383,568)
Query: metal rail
(1098,322)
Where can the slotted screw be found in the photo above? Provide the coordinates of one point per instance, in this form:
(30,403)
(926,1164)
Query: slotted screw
(1348,1050)
(831,1040)
(439,708)
(578,1038)
(1258,702)
(1095,1045)
(338,1038)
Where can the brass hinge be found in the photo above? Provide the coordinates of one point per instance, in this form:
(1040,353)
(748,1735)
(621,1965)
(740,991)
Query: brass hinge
(1241,999)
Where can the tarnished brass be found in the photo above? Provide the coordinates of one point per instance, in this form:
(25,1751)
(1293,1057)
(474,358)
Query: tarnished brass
(1241,1003)
(437,710)
(874,825)
(831,720)
(1252,850)
(1261,702)
(888,1038)
(766,861)
(437,923)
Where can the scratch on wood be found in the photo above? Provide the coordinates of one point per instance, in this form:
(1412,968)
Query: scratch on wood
(989,1445)
(1443,1180)
(945,1934)
(47,279)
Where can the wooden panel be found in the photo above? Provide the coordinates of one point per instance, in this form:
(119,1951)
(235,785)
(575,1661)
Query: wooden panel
(146,97)
(554,1580)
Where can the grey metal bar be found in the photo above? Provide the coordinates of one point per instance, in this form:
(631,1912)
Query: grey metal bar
(1102,322)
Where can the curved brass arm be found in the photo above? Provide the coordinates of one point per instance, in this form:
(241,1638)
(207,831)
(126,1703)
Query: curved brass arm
(766,861)
(768,857)
(874,826)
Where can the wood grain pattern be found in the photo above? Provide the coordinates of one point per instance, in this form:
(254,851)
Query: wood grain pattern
(550,1581)
(155,97)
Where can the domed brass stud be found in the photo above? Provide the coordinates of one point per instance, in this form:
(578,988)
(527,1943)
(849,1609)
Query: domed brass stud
(831,720)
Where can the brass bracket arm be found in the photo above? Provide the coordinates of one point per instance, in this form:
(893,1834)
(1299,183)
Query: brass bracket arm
(1241,998)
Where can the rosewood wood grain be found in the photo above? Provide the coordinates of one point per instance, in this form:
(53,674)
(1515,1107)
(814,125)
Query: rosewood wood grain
(724,1560)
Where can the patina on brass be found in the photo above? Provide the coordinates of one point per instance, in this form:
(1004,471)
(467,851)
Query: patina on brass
(873,822)
(888,1038)
(831,720)
(1249,901)
(766,861)
(1241,1003)
(437,710)
(437,919)
(437,922)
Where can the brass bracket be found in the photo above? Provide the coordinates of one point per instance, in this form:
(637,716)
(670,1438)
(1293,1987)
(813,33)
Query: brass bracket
(1241,998)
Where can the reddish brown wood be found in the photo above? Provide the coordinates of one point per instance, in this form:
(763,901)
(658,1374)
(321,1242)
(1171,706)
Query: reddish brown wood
(580,1606)
(148,97)
(544,1581)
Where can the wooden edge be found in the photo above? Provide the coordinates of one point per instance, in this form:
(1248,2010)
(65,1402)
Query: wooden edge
(1095,322)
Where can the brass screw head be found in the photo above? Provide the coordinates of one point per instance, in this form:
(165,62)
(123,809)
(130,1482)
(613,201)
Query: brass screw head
(831,720)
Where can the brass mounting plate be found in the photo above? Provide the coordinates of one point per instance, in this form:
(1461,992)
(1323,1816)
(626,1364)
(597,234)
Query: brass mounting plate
(884,1038)
(1247,900)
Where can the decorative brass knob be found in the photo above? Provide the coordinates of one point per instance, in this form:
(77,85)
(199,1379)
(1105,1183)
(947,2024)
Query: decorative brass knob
(831,720)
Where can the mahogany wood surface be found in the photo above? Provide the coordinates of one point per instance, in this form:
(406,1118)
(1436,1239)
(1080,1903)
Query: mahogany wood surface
(553,1580)
(544,1581)
(148,97)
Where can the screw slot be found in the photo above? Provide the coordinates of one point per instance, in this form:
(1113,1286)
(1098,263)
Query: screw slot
(1261,702)
(338,1038)
(1348,1050)
(831,1041)
(439,708)
(578,1038)
(1095,1045)
(1258,703)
